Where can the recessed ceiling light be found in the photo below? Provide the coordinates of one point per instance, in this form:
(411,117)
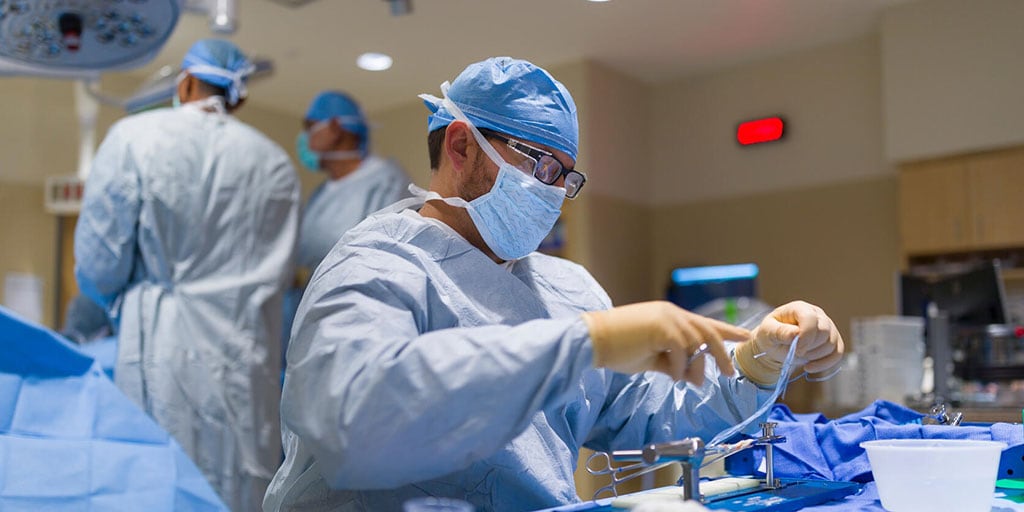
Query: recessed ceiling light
(597,1)
(374,61)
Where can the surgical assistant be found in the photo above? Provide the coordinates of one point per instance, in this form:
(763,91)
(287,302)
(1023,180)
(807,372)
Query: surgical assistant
(435,353)
(187,235)
(336,141)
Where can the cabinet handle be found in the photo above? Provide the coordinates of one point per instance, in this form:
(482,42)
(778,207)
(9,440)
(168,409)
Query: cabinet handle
(957,230)
(979,228)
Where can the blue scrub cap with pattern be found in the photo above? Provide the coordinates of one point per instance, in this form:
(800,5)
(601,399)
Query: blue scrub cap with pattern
(513,97)
(219,63)
(338,105)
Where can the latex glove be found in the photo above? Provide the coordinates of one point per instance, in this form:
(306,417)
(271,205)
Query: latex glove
(819,350)
(659,336)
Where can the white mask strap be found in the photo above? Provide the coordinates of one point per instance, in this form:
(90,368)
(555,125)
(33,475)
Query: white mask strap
(216,103)
(430,195)
(235,77)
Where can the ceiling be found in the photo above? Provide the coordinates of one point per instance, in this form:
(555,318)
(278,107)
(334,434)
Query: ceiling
(314,47)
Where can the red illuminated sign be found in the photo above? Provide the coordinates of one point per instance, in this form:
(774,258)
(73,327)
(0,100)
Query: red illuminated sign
(760,130)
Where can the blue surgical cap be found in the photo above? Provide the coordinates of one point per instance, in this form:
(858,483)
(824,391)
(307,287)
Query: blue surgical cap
(514,97)
(221,64)
(338,105)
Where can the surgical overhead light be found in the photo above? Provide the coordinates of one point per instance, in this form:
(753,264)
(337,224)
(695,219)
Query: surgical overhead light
(80,38)
(222,14)
(374,61)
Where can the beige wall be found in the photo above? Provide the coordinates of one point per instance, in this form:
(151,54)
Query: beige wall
(832,101)
(952,77)
(615,230)
(29,238)
(401,133)
(816,211)
(39,133)
(578,248)
(621,247)
(836,246)
(39,137)
(618,135)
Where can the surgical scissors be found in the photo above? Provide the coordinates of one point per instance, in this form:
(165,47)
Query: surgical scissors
(634,470)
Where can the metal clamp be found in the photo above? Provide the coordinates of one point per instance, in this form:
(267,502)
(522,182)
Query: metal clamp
(689,453)
(941,417)
(768,439)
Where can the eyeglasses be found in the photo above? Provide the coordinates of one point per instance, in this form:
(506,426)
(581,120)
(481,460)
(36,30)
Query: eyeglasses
(544,166)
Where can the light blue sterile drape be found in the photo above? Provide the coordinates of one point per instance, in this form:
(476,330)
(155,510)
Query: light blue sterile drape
(104,351)
(419,366)
(70,441)
(187,234)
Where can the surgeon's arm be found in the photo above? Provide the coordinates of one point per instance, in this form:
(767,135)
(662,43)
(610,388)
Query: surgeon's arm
(380,405)
(105,233)
(650,407)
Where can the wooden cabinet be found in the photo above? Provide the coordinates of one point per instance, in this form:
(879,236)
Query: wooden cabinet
(997,199)
(963,203)
(934,207)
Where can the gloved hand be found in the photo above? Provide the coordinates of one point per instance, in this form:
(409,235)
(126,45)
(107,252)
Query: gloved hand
(819,350)
(659,336)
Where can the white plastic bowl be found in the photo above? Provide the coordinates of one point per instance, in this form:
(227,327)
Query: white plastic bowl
(935,474)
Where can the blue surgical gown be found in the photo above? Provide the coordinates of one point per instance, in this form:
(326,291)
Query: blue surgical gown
(418,366)
(338,205)
(187,233)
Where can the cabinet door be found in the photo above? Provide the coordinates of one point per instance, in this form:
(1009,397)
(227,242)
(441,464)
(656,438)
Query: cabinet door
(997,199)
(934,207)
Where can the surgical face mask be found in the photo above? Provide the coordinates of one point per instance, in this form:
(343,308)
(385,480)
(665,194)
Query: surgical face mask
(309,158)
(515,215)
(312,159)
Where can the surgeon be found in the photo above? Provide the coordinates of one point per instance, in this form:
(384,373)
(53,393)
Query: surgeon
(335,141)
(436,353)
(187,234)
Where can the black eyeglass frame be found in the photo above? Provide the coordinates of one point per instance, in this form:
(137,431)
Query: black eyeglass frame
(536,154)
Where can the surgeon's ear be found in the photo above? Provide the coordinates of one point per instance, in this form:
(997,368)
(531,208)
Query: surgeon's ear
(457,139)
(185,88)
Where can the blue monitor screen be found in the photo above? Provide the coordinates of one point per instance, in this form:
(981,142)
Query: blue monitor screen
(693,287)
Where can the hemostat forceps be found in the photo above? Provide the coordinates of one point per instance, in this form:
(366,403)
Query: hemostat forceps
(687,452)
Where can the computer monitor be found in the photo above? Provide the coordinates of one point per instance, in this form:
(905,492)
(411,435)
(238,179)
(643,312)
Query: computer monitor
(970,298)
(692,287)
